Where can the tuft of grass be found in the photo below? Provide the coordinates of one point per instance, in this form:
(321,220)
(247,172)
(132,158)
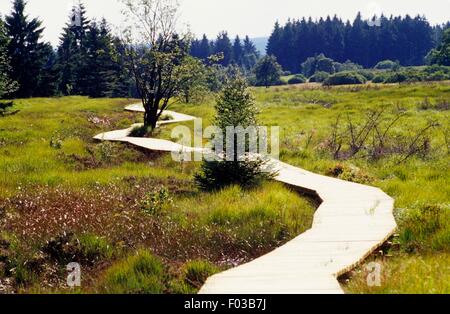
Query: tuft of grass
(195,273)
(193,276)
(140,131)
(142,273)
(95,248)
(406,274)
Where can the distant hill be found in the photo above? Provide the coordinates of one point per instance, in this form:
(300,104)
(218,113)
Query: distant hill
(261,44)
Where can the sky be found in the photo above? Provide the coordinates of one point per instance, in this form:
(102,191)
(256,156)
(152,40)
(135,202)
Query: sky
(239,17)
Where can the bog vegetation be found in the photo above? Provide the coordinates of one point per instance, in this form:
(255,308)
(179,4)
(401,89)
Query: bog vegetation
(137,222)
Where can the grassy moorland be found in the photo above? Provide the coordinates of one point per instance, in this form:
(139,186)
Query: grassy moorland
(133,219)
(136,223)
(406,154)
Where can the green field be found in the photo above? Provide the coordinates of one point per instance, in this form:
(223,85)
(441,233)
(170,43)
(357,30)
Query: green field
(66,197)
(420,184)
(117,200)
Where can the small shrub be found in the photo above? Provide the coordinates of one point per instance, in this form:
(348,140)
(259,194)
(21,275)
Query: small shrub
(396,78)
(386,65)
(379,78)
(95,248)
(437,76)
(350,173)
(166,117)
(423,227)
(5,109)
(86,248)
(195,273)
(297,79)
(345,78)
(105,152)
(406,76)
(141,273)
(140,131)
(368,74)
(319,77)
(56,142)
(216,175)
(347,66)
(155,201)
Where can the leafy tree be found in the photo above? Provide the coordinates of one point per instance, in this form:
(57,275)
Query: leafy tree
(345,78)
(7,86)
(235,107)
(194,84)
(441,55)
(155,55)
(387,65)
(325,64)
(27,53)
(267,71)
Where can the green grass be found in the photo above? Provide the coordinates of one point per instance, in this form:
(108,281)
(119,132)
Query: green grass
(209,226)
(407,274)
(305,115)
(56,180)
(38,145)
(141,273)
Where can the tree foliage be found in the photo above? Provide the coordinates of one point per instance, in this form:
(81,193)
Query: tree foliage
(242,53)
(406,39)
(235,107)
(267,71)
(441,55)
(156,55)
(7,86)
(28,54)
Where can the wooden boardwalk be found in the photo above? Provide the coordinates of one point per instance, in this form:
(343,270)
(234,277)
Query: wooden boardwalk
(352,222)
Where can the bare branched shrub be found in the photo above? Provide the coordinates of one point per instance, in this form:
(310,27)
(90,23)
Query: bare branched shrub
(374,137)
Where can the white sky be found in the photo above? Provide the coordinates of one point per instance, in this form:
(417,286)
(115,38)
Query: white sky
(253,17)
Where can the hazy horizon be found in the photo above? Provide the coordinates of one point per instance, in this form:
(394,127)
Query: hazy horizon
(255,18)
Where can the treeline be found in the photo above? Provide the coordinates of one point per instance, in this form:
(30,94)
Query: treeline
(404,39)
(242,53)
(86,61)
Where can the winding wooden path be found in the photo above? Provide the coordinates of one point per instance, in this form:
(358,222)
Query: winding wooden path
(351,223)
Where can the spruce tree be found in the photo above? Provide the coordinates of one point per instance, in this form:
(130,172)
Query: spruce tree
(223,46)
(71,53)
(250,55)
(205,49)
(7,85)
(238,51)
(28,54)
(235,107)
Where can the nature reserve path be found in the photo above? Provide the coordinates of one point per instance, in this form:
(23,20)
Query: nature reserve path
(352,221)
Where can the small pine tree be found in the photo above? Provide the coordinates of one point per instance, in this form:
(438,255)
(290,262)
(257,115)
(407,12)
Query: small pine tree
(235,107)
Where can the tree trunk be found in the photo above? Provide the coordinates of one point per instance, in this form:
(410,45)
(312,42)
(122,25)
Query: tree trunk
(150,120)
